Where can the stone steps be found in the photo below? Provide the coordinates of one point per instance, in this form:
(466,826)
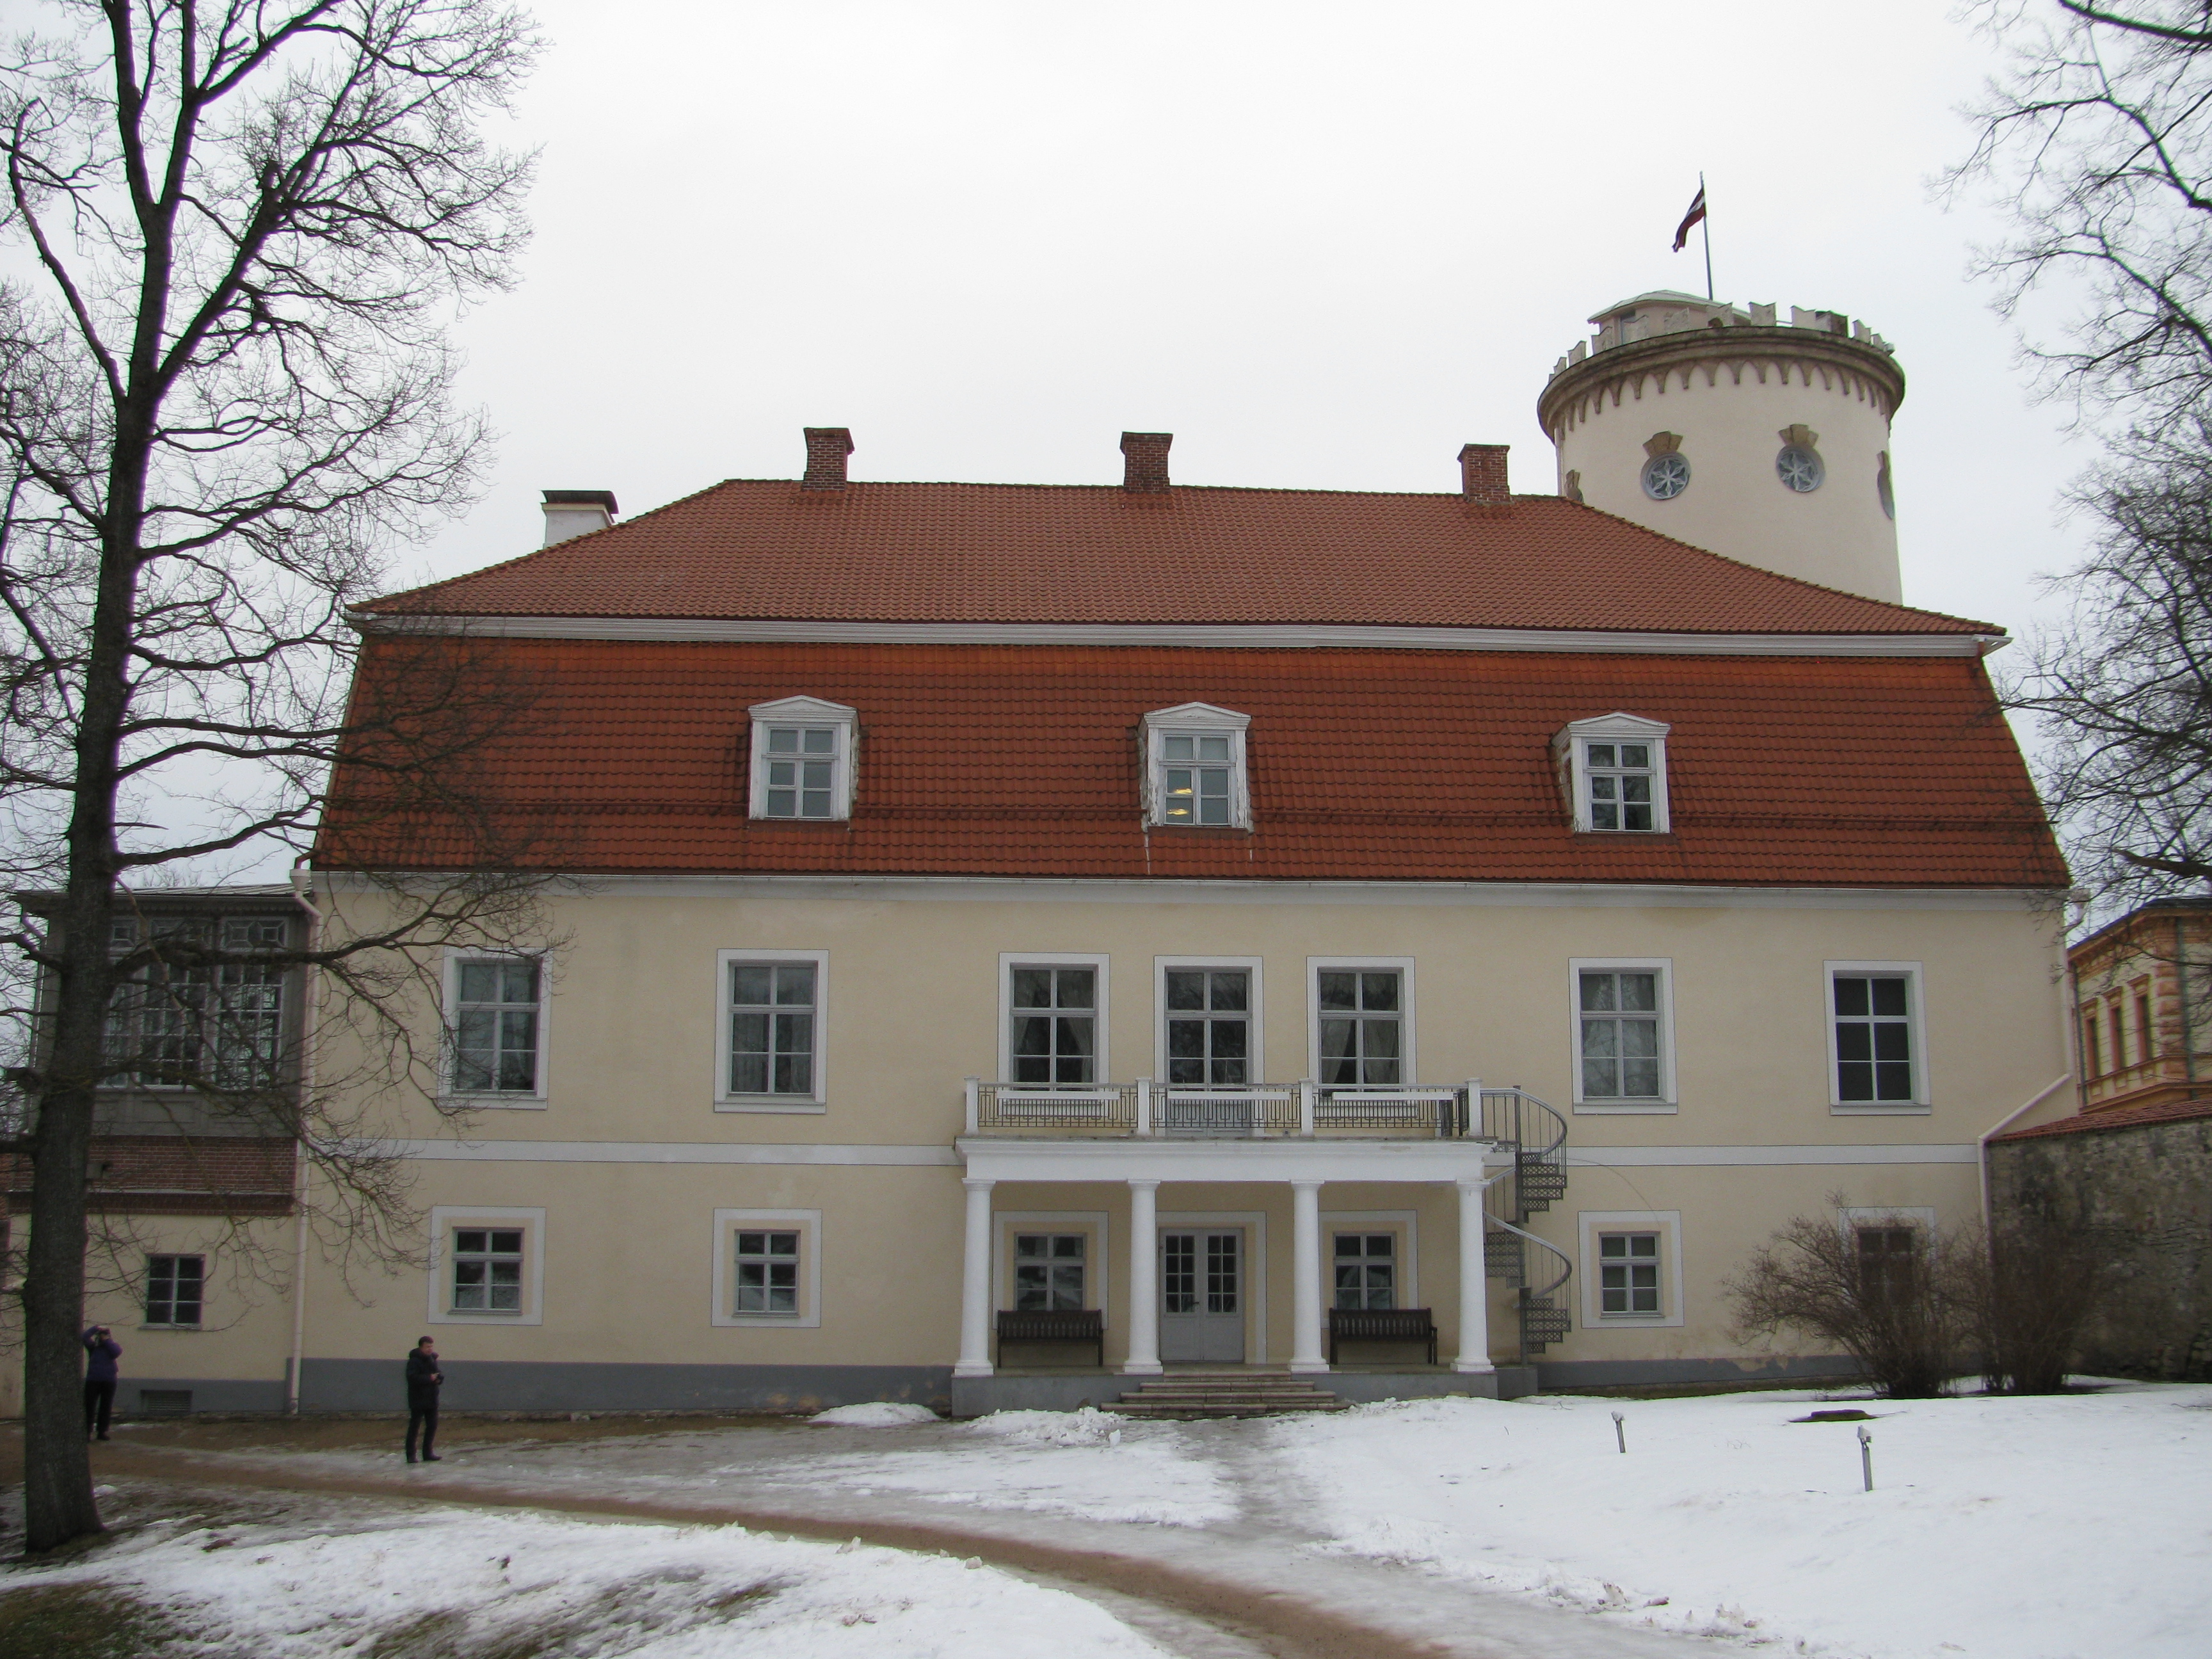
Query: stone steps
(1226,1394)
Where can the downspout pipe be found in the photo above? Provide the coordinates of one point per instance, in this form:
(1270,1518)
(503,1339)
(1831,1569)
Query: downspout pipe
(1982,1145)
(311,1023)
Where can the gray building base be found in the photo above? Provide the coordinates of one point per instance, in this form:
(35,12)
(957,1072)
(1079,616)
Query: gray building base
(174,1395)
(1810,1371)
(1067,1391)
(511,1385)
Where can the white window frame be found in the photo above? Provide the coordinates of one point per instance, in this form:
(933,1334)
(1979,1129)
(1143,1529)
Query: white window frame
(1408,1065)
(514,1099)
(1404,1222)
(1257,1071)
(1852,1217)
(805,711)
(1669,1102)
(1193,718)
(1097,1269)
(814,1102)
(444,1218)
(1915,975)
(205,1258)
(728,1224)
(1668,1224)
(1255,1224)
(1009,960)
(1570,754)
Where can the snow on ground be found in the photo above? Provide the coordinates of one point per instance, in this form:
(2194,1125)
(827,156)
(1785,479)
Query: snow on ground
(875,1414)
(2015,1528)
(1081,1464)
(468,1582)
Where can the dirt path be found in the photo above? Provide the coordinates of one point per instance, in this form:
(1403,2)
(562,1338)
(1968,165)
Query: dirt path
(1232,1592)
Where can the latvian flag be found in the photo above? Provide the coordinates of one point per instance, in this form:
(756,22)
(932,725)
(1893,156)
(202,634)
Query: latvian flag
(1697,212)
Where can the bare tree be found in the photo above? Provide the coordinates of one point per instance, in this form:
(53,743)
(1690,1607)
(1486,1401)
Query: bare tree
(224,390)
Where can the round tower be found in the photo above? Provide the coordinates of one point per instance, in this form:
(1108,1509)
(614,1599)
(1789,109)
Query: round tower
(1763,440)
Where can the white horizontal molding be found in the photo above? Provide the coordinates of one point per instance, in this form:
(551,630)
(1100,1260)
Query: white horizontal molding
(1041,1159)
(1234,636)
(1695,1157)
(670,1151)
(1001,889)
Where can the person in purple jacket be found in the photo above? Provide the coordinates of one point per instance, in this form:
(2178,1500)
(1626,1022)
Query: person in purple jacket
(100,1353)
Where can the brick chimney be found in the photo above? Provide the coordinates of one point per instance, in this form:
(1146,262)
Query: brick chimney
(827,446)
(577,513)
(1144,466)
(1482,474)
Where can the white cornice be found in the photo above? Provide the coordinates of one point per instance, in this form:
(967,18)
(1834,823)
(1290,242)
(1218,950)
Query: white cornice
(1266,636)
(1023,889)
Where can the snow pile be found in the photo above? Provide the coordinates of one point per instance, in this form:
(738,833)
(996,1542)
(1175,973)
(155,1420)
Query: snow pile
(474,1582)
(875,1414)
(1085,1426)
(2036,1529)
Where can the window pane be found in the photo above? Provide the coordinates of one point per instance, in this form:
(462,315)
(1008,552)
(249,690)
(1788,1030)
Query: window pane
(1077,987)
(752,984)
(1888,996)
(782,740)
(477,979)
(1186,988)
(1032,988)
(1214,748)
(1598,992)
(1635,754)
(1893,1081)
(1178,746)
(1854,1081)
(794,985)
(507,1243)
(1601,1038)
(1339,990)
(1600,754)
(821,740)
(469,1241)
(1639,991)
(1854,1043)
(1379,991)
(1230,990)
(1229,1039)
(1851,997)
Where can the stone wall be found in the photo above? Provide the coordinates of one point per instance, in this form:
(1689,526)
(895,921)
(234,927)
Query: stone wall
(2143,1192)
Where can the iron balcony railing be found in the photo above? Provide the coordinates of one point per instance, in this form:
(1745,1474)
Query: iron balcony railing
(1148,1109)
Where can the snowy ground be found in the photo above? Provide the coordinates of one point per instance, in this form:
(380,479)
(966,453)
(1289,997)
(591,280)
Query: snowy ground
(2029,1529)
(448,1581)
(1999,1529)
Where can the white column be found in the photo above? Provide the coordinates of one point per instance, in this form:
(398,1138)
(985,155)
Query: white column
(976,1286)
(1474,1282)
(1144,1280)
(1305,1278)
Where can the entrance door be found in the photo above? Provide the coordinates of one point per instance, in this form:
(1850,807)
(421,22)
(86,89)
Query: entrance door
(1202,1295)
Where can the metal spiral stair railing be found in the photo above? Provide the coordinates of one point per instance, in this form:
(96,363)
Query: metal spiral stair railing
(1540,1179)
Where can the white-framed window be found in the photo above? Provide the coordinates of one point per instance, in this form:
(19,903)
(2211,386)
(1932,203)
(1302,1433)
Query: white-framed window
(1362,1025)
(770,1047)
(1365,1266)
(1887,1246)
(1210,1029)
(1195,771)
(1052,1018)
(209,1025)
(496,1027)
(176,1288)
(1630,1268)
(803,752)
(1623,1020)
(768,1268)
(487,1264)
(1062,1256)
(1613,772)
(1050,1271)
(1877,1037)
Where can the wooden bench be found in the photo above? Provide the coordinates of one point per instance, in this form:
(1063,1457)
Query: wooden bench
(1380,1325)
(1055,1325)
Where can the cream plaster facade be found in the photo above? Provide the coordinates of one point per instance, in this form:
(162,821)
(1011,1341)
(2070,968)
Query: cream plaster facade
(1728,390)
(626,1170)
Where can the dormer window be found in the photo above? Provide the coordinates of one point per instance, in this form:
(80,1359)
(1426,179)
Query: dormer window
(802,759)
(1614,773)
(1195,768)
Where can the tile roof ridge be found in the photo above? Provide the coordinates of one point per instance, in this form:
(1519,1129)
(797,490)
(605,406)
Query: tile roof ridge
(1978,627)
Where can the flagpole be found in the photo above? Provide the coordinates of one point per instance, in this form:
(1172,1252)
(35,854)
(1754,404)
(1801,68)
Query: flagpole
(1705,224)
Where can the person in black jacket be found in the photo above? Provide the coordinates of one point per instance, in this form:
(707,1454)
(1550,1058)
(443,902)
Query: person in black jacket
(424,1378)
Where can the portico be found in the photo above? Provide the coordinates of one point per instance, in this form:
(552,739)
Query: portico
(1158,1145)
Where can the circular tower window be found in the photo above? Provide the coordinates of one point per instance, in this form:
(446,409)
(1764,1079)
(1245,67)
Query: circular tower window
(1800,470)
(1666,476)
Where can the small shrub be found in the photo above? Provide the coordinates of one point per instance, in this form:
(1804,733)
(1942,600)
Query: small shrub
(1884,1290)
(2040,1283)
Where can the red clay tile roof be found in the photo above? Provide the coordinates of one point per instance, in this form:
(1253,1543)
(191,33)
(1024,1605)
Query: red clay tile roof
(2123,1117)
(764,549)
(1371,765)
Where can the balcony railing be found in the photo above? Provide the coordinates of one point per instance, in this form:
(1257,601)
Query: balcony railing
(1307,1109)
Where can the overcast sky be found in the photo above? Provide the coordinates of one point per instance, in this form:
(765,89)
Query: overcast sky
(1324,245)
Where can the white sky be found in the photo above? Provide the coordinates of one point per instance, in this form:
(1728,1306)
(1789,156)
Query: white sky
(1324,245)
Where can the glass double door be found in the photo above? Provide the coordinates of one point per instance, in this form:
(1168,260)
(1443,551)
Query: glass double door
(1202,1294)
